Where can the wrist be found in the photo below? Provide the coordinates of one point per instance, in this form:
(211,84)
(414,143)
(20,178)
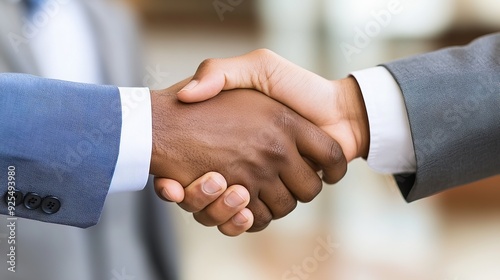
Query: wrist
(167,129)
(354,113)
(157,115)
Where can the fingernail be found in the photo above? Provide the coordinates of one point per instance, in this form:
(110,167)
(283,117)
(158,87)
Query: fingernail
(234,199)
(190,85)
(240,219)
(211,186)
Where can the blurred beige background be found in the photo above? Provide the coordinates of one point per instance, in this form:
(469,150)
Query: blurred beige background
(360,228)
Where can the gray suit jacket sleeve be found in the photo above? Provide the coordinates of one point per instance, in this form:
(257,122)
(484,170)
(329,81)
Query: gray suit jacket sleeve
(61,139)
(453,101)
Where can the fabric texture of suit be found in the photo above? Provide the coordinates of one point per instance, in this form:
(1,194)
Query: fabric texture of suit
(452,97)
(63,139)
(134,238)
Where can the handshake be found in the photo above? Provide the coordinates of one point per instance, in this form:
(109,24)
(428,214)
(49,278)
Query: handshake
(240,159)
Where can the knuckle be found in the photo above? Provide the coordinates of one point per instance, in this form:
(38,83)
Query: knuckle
(261,172)
(285,118)
(273,139)
(335,155)
(336,163)
(312,191)
(207,64)
(198,204)
(262,219)
(282,202)
(333,179)
(190,208)
(284,122)
(277,151)
(192,204)
(264,53)
(205,220)
(259,225)
(286,208)
(229,231)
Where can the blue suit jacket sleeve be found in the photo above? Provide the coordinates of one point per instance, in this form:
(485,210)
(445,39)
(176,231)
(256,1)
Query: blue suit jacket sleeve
(452,98)
(63,139)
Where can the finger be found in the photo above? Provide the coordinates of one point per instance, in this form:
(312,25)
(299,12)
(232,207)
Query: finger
(323,150)
(203,192)
(262,215)
(168,189)
(232,201)
(301,179)
(238,224)
(278,199)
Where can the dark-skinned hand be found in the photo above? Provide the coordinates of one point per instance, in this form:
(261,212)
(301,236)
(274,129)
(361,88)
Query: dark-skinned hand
(252,141)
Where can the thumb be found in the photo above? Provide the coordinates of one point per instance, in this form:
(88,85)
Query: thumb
(216,75)
(208,81)
(169,190)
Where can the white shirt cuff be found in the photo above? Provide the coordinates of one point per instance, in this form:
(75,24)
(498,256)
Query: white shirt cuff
(391,146)
(132,167)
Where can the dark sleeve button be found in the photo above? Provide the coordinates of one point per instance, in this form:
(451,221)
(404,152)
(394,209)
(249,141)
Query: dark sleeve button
(51,205)
(17,195)
(32,201)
